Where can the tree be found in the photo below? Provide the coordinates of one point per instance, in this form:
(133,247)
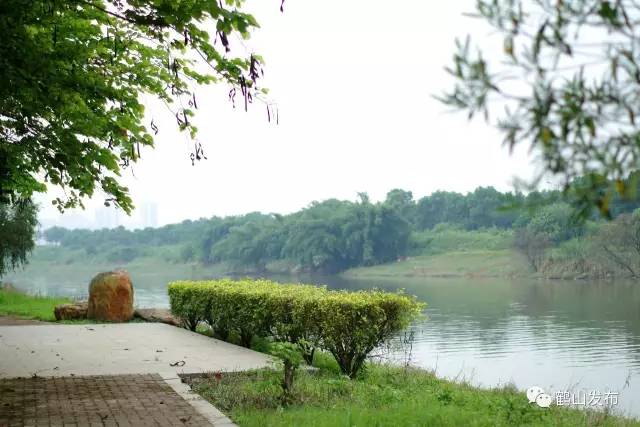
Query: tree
(442,206)
(577,101)
(389,235)
(620,241)
(550,225)
(490,208)
(533,246)
(73,73)
(18,222)
(556,221)
(248,245)
(402,202)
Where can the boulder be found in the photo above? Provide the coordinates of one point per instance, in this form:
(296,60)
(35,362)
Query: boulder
(75,311)
(111,297)
(6,286)
(160,315)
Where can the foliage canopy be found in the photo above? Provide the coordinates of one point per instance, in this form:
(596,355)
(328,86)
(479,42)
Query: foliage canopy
(620,241)
(349,325)
(336,235)
(575,99)
(72,77)
(17,228)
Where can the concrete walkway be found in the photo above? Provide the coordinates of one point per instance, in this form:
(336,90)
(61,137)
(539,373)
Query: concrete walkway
(112,349)
(108,353)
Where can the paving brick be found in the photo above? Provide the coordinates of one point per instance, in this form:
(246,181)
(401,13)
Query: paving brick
(122,400)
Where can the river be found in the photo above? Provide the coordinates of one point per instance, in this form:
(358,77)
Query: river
(579,336)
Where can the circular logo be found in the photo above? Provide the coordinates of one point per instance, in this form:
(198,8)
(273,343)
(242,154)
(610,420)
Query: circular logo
(533,392)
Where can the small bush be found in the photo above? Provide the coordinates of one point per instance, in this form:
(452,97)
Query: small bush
(189,303)
(349,325)
(353,324)
(295,317)
(241,307)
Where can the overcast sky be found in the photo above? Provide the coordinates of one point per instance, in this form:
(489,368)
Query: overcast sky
(353,81)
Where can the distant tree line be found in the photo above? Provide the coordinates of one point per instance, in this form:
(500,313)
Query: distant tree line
(335,235)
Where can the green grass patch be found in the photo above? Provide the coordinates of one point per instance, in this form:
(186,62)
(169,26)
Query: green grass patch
(445,238)
(448,251)
(14,303)
(384,395)
(479,263)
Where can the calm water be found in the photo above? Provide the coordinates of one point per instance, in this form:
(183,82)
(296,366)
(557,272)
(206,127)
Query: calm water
(579,336)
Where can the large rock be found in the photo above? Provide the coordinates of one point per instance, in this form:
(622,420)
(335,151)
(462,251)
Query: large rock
(111,297)
(6,286)
(75,311)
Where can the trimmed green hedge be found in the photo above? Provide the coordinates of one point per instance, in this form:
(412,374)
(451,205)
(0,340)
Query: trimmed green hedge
(347,324)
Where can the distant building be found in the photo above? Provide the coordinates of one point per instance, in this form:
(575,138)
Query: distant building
(68,220)
(145,215)
(107,217)
(148,215)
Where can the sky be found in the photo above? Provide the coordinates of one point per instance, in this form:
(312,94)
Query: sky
(354,84)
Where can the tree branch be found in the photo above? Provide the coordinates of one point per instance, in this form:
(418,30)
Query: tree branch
(115,15)
(619,261)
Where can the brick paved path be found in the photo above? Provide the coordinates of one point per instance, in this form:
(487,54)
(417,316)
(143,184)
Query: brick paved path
(122,400)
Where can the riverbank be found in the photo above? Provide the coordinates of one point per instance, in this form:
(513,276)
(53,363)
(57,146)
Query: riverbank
(384,395)
(456,262)
(444,251)
(479,264)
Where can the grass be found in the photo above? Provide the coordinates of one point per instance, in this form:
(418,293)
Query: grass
(447,251)
(477,263)
(18,304)
(448,238)
(385,395)
(14,303)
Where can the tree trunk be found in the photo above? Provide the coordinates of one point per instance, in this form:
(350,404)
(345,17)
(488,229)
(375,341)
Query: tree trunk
(223,334)
(245,338)
(191,324)
(287,383)
(619,261)
(357,365)
(307,353)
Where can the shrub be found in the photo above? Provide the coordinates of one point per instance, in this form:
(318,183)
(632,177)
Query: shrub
(347,324)
(241,307)
(352,324)
(294,308)
(189,303)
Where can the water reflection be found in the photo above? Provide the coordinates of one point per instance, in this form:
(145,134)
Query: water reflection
(558,335)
